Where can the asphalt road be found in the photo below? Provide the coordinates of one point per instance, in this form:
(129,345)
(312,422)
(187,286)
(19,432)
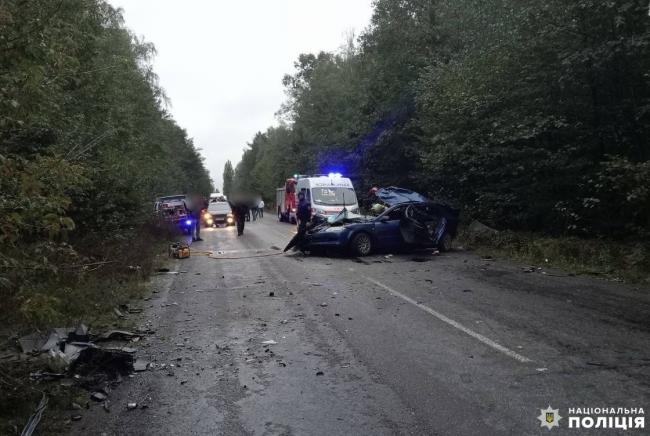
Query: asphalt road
(410,344)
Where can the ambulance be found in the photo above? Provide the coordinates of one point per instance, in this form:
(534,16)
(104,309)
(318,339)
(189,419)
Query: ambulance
(328,194)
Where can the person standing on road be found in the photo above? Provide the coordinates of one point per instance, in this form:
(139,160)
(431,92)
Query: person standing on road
(303,213)
(194,205)
(240,211)
(260,209)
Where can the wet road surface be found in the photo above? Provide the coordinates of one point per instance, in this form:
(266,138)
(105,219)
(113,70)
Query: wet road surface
(409,344)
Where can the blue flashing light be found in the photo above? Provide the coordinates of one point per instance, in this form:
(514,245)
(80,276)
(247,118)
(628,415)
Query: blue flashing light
(335,175)
(188,222)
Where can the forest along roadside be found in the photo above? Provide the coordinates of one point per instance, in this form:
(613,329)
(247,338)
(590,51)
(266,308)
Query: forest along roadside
(407,343)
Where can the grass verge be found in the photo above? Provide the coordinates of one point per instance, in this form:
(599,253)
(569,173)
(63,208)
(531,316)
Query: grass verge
(624,261)
(90,295)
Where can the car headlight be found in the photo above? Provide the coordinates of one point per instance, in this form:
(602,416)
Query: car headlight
(335,229)
(293,210)
(210,222)
(229,219)
(355,210)
(207,216)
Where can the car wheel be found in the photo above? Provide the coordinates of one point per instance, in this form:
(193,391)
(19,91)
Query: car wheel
(361,244)
(445,242)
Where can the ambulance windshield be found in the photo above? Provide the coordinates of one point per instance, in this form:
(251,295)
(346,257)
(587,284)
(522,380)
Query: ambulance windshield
(334,196)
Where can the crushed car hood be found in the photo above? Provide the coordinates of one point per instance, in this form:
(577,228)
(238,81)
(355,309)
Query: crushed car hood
(393,196)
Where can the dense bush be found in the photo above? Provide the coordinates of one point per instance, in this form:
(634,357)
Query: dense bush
(85,144)
(532,116)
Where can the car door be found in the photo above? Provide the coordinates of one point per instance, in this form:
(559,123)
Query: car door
(387,231)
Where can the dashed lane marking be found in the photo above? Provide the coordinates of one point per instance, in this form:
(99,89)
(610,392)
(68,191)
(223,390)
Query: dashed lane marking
(487,341)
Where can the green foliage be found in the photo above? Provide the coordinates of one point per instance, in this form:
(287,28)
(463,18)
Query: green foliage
(85,142)
(228,177)
(532,116)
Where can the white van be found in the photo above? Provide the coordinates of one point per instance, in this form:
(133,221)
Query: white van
(328,194)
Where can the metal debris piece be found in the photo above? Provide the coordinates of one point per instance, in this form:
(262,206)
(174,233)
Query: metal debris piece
(98,396)
(112,362)
(35,418)
(120,335)
(39,343)
(131,406)
(269,342)
(80,334)
(140,365)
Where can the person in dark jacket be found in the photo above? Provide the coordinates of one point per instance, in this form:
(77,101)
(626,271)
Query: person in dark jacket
(194,205)
(240,211)
(303,214)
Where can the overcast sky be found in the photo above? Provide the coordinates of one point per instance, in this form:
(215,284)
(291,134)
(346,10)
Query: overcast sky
(221,62)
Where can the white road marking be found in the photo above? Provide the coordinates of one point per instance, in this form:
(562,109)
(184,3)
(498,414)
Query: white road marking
(451,322)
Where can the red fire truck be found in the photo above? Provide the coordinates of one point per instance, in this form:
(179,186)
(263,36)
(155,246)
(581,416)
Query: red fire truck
(285,199)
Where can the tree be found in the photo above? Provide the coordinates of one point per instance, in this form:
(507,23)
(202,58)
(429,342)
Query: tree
(529,115)
(228,177)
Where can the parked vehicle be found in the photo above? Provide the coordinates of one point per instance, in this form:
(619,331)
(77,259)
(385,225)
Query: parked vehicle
(219,212)
(285,199)
(411,221)
(171,212)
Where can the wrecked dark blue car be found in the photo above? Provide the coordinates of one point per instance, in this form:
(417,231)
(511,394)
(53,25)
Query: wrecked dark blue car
(410,221)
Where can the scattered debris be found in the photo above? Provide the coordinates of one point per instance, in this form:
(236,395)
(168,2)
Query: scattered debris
(271,294)
(140,365)
(37,343)
(118,313)
(323,305)
(320,373)
(98,396)
(131,406)
(111,361)
(76,417)
(269,342)
(35,418)
(80,334)
(117,335)
(467,290)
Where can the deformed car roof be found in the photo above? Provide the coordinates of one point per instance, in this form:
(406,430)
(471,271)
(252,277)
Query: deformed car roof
(393,196)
